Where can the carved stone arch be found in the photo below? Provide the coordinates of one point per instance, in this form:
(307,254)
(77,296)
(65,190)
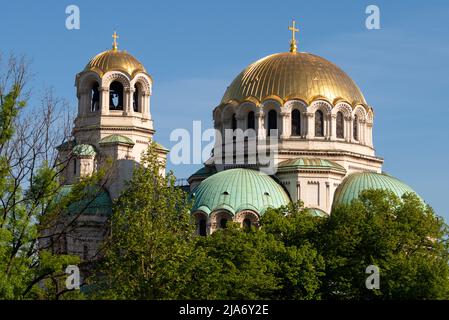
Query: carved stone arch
(291,105)
(271,104)
(198,216)
(344,108)
(322,105)
(227,111)
(85,81)
(216,217)
(245,107)
(112,76)
(247,214)
(361,113)
(144,81)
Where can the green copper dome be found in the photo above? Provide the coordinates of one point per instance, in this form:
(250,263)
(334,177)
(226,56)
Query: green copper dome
(355,183)
(85,150)
(116,139)
(317,212)
(236,190)
(101,205)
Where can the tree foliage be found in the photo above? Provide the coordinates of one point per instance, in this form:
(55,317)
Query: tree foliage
(403,237)
(28,183)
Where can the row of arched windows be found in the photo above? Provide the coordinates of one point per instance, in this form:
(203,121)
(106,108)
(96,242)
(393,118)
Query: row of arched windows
(296,123)
(222,224)
(115,97)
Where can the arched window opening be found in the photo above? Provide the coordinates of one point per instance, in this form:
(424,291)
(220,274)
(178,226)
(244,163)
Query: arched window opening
(272,121)
(136,97)
(319,124)
(95,98)
(296,123)
(234,122)
(247,223)
(85,252)
(74,166)
(116,96)
(202,227)
(340,126)
(356,128)
(223,223)
(251,124)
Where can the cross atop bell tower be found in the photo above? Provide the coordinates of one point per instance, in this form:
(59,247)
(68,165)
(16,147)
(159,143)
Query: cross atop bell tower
(114,43)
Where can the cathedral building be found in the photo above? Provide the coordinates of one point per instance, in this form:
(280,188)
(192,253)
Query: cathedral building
(324,131)
(113,126)
(319,118)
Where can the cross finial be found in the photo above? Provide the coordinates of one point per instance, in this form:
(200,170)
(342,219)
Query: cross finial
(293,41)
(114,43)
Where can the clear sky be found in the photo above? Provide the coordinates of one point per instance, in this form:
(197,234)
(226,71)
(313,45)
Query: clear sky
(193,50)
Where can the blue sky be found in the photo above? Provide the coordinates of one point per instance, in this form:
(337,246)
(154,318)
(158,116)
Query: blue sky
(193,50)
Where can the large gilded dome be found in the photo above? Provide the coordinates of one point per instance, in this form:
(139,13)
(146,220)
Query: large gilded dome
(294,75)
(115,60)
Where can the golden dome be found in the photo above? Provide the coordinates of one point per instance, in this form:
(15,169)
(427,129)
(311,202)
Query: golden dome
(115,60)
(293,75)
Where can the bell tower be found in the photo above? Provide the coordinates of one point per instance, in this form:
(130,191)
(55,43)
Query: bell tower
(114,118)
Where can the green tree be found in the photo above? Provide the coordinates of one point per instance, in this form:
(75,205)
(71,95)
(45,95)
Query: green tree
(150,250)
(403,237)
(28,183)
(300,265)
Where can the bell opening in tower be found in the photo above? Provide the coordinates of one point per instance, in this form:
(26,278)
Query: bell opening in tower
(95,100)
(116,96)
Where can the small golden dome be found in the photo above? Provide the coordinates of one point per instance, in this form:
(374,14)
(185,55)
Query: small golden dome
(293,75)
(115,60)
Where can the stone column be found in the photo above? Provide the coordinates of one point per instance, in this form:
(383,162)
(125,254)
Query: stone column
(333,127)
(82,103)
(328,126)
(310,125)
(260,125)
(146,105)
(370,134)
(348,129)
(129,97)
(104,100)
(286,124)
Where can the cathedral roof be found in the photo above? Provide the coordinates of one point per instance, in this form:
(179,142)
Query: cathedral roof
(98,203)
(115,60)
(116,139)
(236,190)
(355,183)
(84,150)
(293,75)
(310,164)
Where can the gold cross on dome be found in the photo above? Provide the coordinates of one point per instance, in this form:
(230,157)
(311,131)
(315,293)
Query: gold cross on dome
(114,44)
(293,41)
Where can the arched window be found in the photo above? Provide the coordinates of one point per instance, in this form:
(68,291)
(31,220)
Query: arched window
(319,124)
(202,227)
(95,98)
(296,122)
(251,124)
(272,121)
(356,128)
(340,125)
(136,96)
(234,122)
(85,252)
(223,223)
(116,96)
(247,223)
